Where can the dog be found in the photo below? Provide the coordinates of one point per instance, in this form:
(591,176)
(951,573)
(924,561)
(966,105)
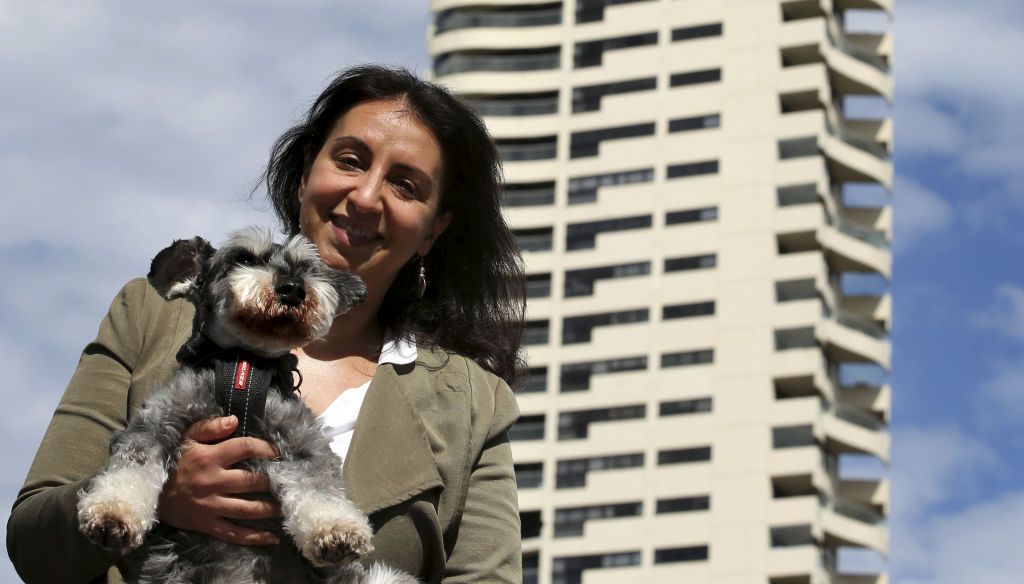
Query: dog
(255,301)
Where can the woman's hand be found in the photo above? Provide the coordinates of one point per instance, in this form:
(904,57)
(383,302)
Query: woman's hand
(198,495)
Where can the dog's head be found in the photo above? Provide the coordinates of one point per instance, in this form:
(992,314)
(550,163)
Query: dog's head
(253,293)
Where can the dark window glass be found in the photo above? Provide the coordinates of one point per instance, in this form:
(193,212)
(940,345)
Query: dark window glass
(528,428)
(538,239)
(581,282)
(569,570)
(569,521)
(536,332)
(513,60)
(576,376)
(578,329)
(688,310)
(593,10)
(793,436)
(588,97)
(531,567)
(684,504)
(583,144)
(513,16)
(691,216)
(589,53)
(529,475)
(683,554)
(686,406)
(694,123)
(695,77)
(538,285)
(536,381)
(573,425)
(687,358)
(584,235)
(573,472)
(583,189)
(529,194)
(527,149)
(684,455)
(798,148)
(692,169)
(696,32)
(690,263)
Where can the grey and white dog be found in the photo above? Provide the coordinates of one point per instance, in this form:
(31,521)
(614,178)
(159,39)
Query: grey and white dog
(264,299)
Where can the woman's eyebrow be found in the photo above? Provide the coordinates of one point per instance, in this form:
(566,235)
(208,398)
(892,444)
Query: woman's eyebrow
(358,143)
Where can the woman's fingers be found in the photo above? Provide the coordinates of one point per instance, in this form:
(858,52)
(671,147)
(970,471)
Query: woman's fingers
(230,532)
(212,429)
(235,508)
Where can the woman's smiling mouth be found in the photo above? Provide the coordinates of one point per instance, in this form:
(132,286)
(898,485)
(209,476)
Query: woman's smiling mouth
(351,234)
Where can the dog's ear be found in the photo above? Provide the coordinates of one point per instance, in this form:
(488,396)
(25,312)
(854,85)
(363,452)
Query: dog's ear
(175,270)
(350,288)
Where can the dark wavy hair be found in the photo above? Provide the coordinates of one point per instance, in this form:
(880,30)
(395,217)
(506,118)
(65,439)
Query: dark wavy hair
(474,302)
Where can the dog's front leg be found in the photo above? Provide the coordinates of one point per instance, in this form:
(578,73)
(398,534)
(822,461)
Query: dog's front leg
(119,506)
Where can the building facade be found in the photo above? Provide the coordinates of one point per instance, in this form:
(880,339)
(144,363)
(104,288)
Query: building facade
(706,226)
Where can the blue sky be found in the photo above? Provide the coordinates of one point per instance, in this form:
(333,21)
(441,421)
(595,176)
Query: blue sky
(125,124)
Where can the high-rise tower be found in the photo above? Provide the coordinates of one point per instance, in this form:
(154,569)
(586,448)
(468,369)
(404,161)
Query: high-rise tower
(703,207)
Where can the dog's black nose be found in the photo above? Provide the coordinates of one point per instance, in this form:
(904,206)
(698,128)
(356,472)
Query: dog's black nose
(290,293)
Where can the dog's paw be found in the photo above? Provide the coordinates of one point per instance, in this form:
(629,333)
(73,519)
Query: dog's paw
(340,544)
(110,528)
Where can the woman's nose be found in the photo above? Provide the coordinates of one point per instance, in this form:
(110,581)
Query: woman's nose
(366,197)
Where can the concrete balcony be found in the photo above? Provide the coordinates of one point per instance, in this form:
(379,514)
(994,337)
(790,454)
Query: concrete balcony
(843,429)
(871,494)
(872,399)
(850,161)
(439,5)
(852,69)
(486,82)
(848,252)
(476,38)
(789,563)
(877,309)
(843,523)
(877,131)
(520,126)
(862,579)
(885,5)
(804,229)
(851,339)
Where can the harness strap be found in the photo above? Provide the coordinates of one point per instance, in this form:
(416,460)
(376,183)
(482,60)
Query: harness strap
(242,385)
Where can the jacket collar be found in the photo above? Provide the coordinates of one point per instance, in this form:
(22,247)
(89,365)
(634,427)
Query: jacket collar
(390,459)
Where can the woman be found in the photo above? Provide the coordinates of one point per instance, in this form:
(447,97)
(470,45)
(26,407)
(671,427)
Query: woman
(395,181)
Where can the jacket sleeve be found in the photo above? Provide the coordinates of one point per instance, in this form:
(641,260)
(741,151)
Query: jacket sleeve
(489,547)
(43,539)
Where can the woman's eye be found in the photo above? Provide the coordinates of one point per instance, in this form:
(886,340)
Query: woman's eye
(407,187)
(349,161)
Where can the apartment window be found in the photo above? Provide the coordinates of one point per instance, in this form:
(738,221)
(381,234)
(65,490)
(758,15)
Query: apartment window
(536,332)
(588,97)
(529,524)
(684,504)
(541,59)
(584,144)
(529,475)
(698,262)
(685,406)
(696,32)
(790,290)
(686,358)
(583,189)
(793,436)
(576,376)
(573,472)
(569,570)
(791,535)
(795,338)
(574,425)
(695,123)
(797,195)
(696,553)
(578,329)
(537,239)
(593,10)
(531,567)
(695,77)
(528,428)
(692,169)
(527,149)
(581,282)
(529,194)
(691,216)
(590,53)
(798,148)
(536,380)
(689,310)
(512,16)
(569,521)
(516,104)
(684,455)
(538,285)
(584,235)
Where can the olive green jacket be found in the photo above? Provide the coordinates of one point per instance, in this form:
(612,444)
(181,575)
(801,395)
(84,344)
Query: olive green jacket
(430,462)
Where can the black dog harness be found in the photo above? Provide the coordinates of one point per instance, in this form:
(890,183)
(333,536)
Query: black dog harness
(243,380)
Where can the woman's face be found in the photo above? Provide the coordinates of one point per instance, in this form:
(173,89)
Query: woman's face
(370,199)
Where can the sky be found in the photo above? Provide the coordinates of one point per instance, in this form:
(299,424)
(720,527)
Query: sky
(125,124)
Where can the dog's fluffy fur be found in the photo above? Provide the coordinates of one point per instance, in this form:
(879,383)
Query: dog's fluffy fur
(240,303)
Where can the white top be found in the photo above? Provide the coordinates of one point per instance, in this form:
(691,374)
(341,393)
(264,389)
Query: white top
(339,419)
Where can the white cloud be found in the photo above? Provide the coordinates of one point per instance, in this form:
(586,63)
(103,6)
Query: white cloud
(1006,313)
(918,213)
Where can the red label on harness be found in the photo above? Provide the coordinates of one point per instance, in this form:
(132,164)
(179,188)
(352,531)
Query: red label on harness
(242,375)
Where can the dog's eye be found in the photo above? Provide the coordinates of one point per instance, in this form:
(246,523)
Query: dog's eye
(245,259)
